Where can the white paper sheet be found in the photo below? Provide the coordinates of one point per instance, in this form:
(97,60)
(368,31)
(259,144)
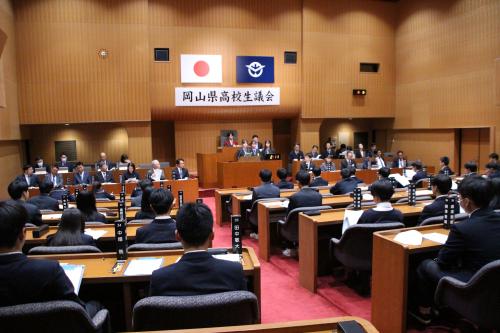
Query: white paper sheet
(247,197)
(351,217)
(367,197)
(142,266)
(51,217)
(410,237)
(436,237)
(423,192)
(229,257)
(95,233)
(273,204)
(400,179)
(74,274)
(409,174)
(454,185)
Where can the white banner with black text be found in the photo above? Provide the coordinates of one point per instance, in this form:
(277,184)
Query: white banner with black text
(217,96)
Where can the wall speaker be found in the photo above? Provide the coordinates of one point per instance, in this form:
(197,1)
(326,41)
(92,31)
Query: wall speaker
(290,57)
(162,54)
(367,67)
(359,92)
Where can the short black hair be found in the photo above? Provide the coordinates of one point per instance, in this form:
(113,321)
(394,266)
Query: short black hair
(303,177)
(194,223)
(27,166)
(417,165)
(282,173)
(442,182)
(384,172)
(55,166)
(493,156)
(78,164)
(477,189)
(315,146)
(472,166)
(161,200)
(145,183)
(16,189)
(382,189)
(265,175)
(255,136)
(13,217)
(309,155)
(352,170)
(493,165)
(46,187)
(96,185)
(316,171)
(229,134)
(177,161)
(102,163)
(445,160)
(345,173)
(343,145)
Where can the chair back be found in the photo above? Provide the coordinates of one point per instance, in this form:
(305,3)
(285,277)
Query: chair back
(439,219)
(417,198)
(184,312)
(290,226)
(478,300)
(155,246)
(64,249)
(141,221)
(354,249)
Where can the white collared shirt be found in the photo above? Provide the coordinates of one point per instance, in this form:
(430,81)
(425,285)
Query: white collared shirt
(9,253)
(383,207)
(27,179)
(163,217)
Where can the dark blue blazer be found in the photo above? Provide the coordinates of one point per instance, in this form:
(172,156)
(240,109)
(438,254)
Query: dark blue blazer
(266,190)
(158,231)
(347,164)
(68,165)
(295,156)
(44,201)
(325,153)
(176,175)
(446,168)
(106,178)
(197,273)
(128,175)
(58,181)
(435,209)
(284,185)
(87,240)
(494,175)
(33,180)
(24,280)
(77,179)
(34,215)
(374,216)
(306,197)
(136,201)
(318,181)
(420,174)
(472,243)
(58,194)
(344,186)
(95,217)
(104,195)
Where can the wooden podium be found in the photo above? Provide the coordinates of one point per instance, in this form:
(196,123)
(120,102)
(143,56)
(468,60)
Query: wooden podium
(244,174)
(207,164)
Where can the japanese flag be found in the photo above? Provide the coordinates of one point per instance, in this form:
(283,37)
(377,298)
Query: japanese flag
(200,68)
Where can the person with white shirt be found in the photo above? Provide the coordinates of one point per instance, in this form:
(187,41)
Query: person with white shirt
(399,161)
(379,160)
(349,162)
(28,177)
(180,172)
(103,175)
(441,185)
(54,177)
(156,173)
(81,177)
(382,192)
(162,228)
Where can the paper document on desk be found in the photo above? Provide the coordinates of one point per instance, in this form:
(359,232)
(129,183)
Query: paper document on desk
(228,256)
(247,197)
(409,174)
(423,192)
(411,237)
(50,217)
(400,179)
(351,217)
(74,274)
(436,237)
(143,266)
(454,185)
(367,197)
(96,234)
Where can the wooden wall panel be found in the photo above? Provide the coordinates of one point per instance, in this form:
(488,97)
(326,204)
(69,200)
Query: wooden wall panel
(469,146)
(163,141)
(61,77)
(338,35)
(139,142)
(10,160)
(203,137)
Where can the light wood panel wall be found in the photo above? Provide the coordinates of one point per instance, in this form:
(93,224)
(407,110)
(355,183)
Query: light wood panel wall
(203,137)
(474,146)
(139,142)
(62,79)
(445,64)
(10,160)
(337,36)
(163,140)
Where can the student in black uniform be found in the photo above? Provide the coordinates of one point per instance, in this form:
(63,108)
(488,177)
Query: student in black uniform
(470,169)
(18,191)
(43,200)
(197,272)
(346,185)
(266,190)
(441,185)
(71,230)
(283,183)
(100,193)
(495,201)
(307,164)
(162,228)
(382,192)
(317,179)
(444,163)
(146,212)
(85,202)
(28,177)
(419,173)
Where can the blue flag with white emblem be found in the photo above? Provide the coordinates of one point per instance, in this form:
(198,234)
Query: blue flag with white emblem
(254,69)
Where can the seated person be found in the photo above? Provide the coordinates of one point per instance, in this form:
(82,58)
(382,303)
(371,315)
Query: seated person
(103,175)
(255,138)
(346,185)
(307,164)
(283,184)
(493,170)
(63,162)
(85,202)
(348,161)
(58,193)
(317,179)
(495,201)
(39,164)
(254,150)
(378,160)
(244,150)
(383,173)
(268,149)
(329,150)
(441,185)
(399,161)
(197,272)
(493,158)
(146,212)
(28,177)
(136,195)
(341,151)
(180,172)
(43,200)
(162,228)
(419,173)
(470,169)
(328,165)
(382,192)
(26,280)
(81,176)
(104,160)
(444,164)
(230,141)
(471,244)
(296,154)
(156,173)
(266,190)
(315,155)
(18,192)
(54,177)
(71,230)
(100,193)
(131,176)
(361,152)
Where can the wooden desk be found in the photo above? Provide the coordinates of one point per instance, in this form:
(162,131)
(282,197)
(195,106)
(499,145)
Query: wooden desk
(189,186)
(98,271)
(241,174)
(326,325)
(390,264)
(221,196)
(368,176)
(207,164)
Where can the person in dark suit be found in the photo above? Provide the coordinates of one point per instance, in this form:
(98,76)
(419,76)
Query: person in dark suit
(18,191)
(346,185)
(131,176)
(85,202)
(244,151)
(348,161)
(100,193)
(283,184)
(230,141)
(81,177)
(137,192)
(328,164)
(441,185)
(493,170)
(373,150)
(495,201)
(329,150)
(471,244)
(296,154)
(255,138)
(266,190)
(180,172)
(156,173)
(254,150)
(341,151)
(58,193)
(104,160)
(444,163)
(315,155)
(39,164)
(103,175)
(382,192)
(361,152)
(43,200)
(54,177)
(268,149)
(63,162)
(493,158)
(197,272)
(307,164)
(162,228)
(146,212)
(317,179)
(28,177)
(400,160)
(71,230)
(419,173)
(470,169)
(378,160)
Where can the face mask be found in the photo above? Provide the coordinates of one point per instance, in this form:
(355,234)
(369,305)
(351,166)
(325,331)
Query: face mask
(40,164)
(63,159)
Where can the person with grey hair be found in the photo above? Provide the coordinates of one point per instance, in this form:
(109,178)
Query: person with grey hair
(156,173)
